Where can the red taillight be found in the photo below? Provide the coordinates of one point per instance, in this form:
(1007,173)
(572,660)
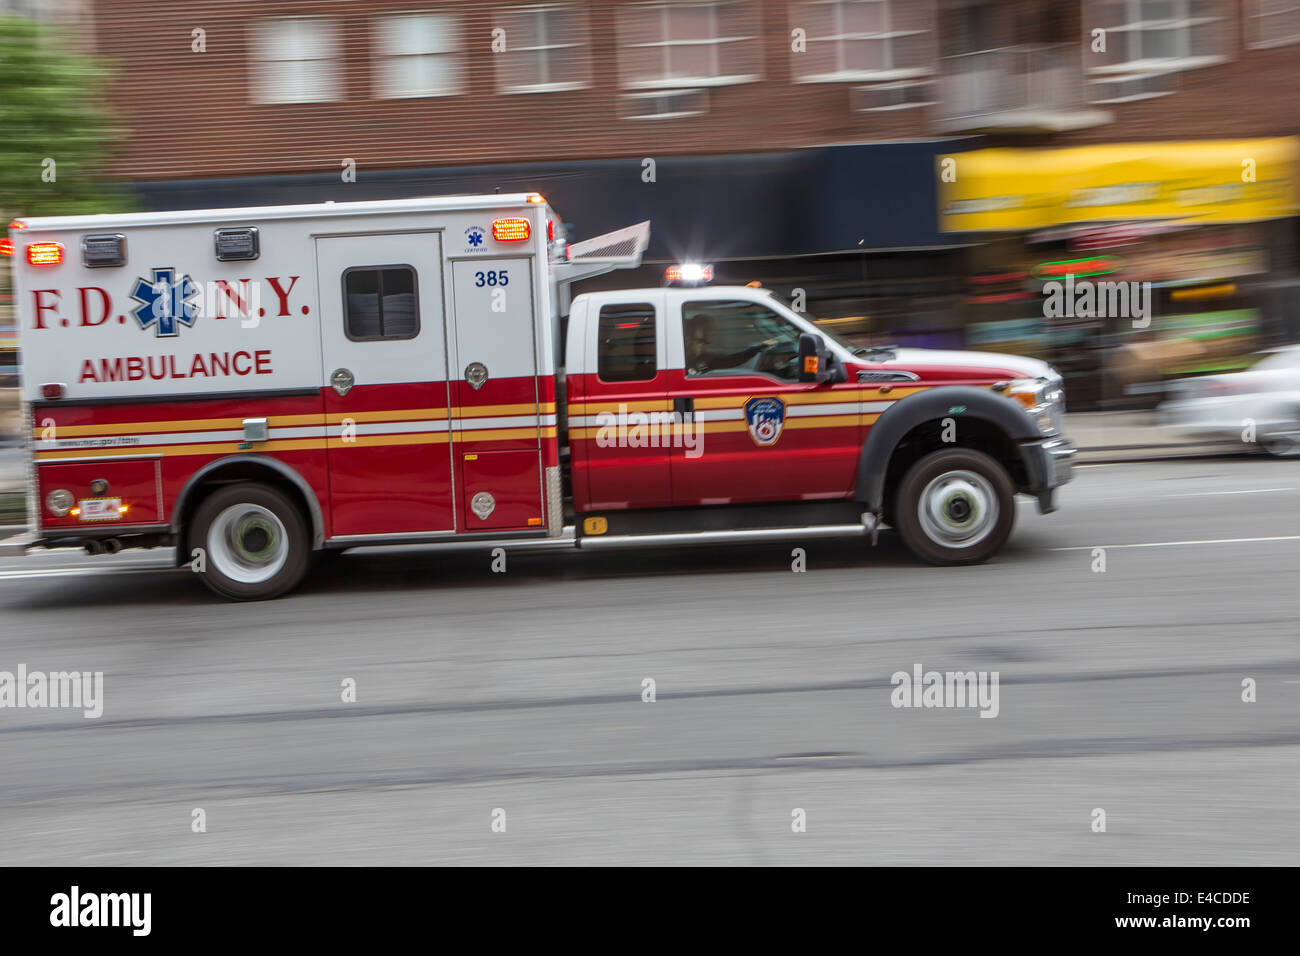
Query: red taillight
(550,230)
(510,230)
(52,390)
(6,247)
(45,253)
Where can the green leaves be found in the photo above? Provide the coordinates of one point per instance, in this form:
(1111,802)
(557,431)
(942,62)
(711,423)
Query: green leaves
(55,133)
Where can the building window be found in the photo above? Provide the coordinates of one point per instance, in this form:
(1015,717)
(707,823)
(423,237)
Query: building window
(626,339)
(668,45)
(380,303)
(1274,23)
(1155,36)
(418,56)
(546,50)
(296,61)
(857,40)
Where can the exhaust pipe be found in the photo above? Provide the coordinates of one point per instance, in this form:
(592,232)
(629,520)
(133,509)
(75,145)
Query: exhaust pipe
(94,547)
(112,546)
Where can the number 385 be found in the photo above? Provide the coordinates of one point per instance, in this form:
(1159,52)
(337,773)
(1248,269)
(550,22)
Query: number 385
(491,277)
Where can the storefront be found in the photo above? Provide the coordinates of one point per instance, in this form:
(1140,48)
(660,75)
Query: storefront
(1128,265)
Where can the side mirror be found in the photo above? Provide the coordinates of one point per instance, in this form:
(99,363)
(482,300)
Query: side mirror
(814,359)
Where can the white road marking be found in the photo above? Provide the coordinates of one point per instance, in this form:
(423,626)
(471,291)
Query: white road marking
(1249,491)
(1177,544)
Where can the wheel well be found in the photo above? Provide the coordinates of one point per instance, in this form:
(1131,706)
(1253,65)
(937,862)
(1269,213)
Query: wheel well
(975,433)
(231,473)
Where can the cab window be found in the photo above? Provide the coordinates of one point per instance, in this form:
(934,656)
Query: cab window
(739,338)
(626,343)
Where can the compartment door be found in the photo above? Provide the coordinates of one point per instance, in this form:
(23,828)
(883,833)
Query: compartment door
(496,419)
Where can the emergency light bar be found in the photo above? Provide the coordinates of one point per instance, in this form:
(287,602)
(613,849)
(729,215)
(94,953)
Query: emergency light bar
(688,273)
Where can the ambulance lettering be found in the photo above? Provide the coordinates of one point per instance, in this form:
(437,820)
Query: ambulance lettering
(137,368)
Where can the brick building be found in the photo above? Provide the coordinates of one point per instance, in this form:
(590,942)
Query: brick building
(794,141)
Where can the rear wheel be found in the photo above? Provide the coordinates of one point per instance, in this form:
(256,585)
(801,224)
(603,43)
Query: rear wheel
(955,506)
(1283,440)
(254,540)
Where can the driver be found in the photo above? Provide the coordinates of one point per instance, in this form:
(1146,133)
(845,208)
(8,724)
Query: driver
(701,359)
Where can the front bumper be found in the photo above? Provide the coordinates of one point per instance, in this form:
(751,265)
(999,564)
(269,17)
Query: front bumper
(1048,465)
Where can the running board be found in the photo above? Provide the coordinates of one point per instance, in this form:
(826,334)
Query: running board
(720,537)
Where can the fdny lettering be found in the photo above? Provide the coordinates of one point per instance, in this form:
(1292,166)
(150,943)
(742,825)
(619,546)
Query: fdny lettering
(97,304)
(136,368)
(283,294)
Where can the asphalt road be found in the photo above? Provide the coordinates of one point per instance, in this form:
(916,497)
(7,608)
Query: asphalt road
(1118,690)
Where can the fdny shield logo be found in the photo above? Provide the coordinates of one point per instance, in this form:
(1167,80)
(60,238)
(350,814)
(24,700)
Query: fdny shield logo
(765,417)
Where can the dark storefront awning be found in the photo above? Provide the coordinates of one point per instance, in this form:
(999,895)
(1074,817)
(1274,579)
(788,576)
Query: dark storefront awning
(764,205)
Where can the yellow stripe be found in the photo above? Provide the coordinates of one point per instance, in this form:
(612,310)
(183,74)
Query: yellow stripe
(215,448)
(410,438)
(497,411)
(823,421)
(290,421)
(304,444)
(395,415)
(650,405)
(502,434)
(196,425)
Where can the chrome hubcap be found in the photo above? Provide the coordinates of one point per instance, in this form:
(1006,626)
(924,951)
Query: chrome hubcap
(248,543)
(958,509)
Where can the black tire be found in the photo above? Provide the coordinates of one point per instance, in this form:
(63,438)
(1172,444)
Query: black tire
(1284,443)
(255,542)
(970,507)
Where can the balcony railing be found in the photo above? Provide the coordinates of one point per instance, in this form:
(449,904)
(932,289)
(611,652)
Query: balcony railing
(1032,88)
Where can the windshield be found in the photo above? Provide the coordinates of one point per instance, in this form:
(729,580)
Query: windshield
(832,336)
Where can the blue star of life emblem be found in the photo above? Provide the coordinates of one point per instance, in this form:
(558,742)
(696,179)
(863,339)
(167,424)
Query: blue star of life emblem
(476,238)
(164,302)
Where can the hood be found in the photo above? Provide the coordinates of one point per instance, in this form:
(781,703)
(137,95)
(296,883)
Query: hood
(945,363)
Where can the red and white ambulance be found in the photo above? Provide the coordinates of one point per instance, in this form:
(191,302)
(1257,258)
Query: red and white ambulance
(256,386)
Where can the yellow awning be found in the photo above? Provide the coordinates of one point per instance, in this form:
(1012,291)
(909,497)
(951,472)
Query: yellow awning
(1202,181)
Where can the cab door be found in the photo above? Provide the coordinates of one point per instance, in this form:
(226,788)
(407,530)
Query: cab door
(621,442)
(385,368)
(763,434)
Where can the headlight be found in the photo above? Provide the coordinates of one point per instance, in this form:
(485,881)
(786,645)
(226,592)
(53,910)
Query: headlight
(1044,400)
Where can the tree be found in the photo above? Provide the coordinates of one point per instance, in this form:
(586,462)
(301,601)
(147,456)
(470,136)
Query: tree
(55,131)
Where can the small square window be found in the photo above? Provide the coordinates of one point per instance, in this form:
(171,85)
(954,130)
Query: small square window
(380,302)
(626,344)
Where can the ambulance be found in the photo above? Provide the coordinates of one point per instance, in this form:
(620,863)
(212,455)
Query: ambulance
(258,388)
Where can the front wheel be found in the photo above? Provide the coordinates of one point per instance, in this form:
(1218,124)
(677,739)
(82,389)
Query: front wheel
(955,506)
(254,542)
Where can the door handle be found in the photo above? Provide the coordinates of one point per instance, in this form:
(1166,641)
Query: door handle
(684,406)
(341,379)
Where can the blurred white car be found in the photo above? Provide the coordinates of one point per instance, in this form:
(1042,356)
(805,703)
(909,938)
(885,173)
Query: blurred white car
(1263,400)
